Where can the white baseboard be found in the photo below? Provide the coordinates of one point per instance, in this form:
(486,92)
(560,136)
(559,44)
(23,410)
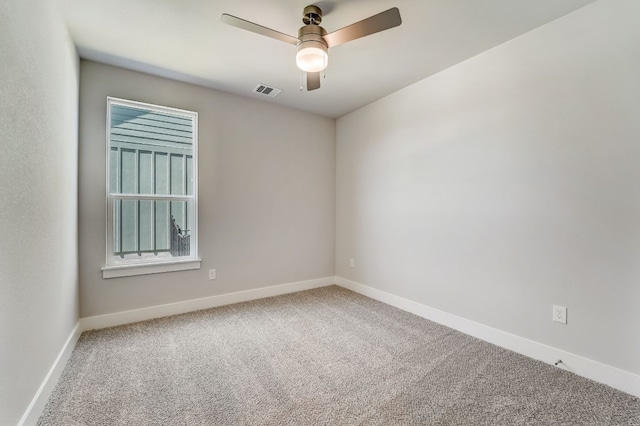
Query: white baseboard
(136,315)
(594,370)
(614,377)
(34,411)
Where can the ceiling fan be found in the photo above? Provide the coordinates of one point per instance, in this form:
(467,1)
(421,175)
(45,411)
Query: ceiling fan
(313,41)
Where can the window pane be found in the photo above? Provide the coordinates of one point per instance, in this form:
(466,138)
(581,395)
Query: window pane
(162,173)
(180,234)
(128,181)
(129,226)
(189,175)
(177,174)
(179,213)
(146,226)
(162,224)
(151,227)
(117,244)
(145,180)
(114,164)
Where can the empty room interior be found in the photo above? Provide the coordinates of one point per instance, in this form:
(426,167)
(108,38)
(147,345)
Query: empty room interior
(439,221)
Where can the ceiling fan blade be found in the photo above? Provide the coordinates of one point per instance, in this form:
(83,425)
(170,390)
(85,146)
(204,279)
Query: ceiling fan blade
(376,23)
(313,80)
(258,29)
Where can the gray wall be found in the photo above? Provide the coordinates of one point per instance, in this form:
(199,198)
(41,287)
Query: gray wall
(266,193)
(38,198)
(507,184)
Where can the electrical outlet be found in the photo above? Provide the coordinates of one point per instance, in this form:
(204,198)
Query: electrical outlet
(352,263)
(560,314)
(212,274)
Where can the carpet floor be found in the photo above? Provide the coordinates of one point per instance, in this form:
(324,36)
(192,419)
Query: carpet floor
(327,356)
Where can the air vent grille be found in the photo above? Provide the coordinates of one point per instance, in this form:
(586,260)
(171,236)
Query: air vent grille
(263,89)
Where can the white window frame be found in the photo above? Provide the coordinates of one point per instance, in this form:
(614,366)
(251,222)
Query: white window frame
(149,265)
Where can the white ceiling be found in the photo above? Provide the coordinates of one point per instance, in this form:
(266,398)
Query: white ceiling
(185,40)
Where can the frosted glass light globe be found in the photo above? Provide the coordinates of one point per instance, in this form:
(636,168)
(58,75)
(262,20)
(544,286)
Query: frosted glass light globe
(311,58)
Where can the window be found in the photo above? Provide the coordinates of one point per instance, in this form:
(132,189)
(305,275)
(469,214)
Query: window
(151,189)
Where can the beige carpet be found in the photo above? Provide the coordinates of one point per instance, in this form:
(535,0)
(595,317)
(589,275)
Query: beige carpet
(320,357)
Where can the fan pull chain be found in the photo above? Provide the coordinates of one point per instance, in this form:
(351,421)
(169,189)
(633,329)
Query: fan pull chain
(301,80)
(324,72)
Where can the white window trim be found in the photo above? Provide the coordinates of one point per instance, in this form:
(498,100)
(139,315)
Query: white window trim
(149,268)
(157,265)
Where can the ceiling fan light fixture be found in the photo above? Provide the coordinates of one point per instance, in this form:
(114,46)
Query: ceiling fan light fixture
(312,53)
(312,56)
(313,41)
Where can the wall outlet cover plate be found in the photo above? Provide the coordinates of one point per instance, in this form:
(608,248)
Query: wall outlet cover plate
(560,314)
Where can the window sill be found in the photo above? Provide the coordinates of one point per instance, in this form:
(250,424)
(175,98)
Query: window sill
(149,268)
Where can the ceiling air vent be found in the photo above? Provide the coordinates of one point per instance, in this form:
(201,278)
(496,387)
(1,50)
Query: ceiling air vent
(263,89)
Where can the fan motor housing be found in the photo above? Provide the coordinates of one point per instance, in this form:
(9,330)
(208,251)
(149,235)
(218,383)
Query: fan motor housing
(312,15)
(312,36)
(312,32)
